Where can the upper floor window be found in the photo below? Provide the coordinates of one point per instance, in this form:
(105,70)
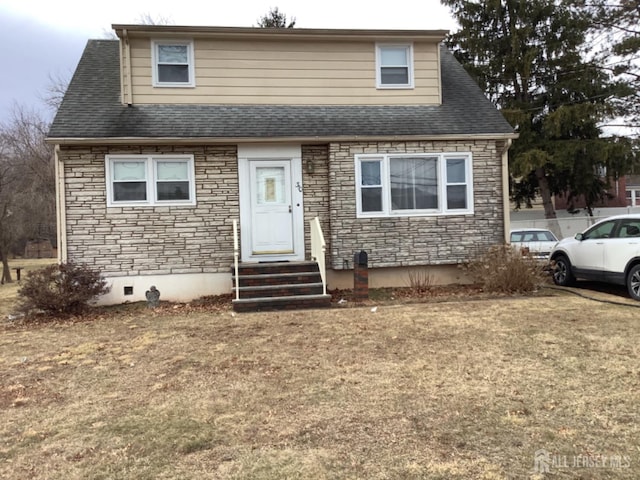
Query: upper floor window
(394,66)
(150,180)
(413,184)
(173,64)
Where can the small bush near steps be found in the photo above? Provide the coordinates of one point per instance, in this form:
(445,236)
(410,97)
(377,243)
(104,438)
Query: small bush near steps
(62,289)
(504,269)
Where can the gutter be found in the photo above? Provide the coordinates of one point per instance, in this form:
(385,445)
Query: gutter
(303,139)
(278,33)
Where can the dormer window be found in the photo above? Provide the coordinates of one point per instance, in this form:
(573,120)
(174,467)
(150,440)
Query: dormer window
(394,66)
(173,64)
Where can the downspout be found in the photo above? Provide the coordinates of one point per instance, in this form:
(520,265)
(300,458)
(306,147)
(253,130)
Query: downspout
(125,69)
(506,204)
(439,66)
(61,206)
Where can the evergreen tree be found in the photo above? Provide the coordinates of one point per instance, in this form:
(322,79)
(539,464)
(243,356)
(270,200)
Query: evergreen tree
(530,59)
(616,31)
(275,19)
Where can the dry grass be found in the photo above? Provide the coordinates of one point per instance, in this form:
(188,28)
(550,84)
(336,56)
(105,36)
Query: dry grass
(8,291)
(458,390)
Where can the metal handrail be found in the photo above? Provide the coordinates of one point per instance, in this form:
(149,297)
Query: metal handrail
(236,255)
(318,249)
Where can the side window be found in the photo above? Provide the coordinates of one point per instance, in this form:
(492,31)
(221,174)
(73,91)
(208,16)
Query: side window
(138,180)
(457,183)
(394,66)
(546,237)
(371,185)
(129,180)
(630,228)
(173,64)
(600,231)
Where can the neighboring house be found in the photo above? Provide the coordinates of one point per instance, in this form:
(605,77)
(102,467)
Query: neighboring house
(632,190)
(169,134)
(618,195)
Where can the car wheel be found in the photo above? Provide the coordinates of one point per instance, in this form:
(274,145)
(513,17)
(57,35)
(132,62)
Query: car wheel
(562,273)
(633,282)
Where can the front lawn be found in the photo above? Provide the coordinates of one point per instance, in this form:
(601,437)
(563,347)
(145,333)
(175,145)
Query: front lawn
(458,390)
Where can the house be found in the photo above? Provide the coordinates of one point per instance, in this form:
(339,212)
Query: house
(169,134)
(618,195)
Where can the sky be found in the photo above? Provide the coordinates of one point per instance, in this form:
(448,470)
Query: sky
(42,40)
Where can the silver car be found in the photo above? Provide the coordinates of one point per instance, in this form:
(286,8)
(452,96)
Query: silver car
(537,241)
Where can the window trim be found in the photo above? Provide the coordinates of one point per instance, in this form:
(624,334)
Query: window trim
(190,64)
(410,69)
(442,209)
(151,180)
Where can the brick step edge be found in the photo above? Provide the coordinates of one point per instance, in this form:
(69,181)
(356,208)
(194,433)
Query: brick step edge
(281,303)
(278,267)
(278,291)
(248,280)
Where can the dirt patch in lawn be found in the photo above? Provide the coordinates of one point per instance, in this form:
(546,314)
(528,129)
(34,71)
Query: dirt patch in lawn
(458,389)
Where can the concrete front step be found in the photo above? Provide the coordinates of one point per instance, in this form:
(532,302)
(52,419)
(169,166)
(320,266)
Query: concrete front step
(279,286)
(295,302)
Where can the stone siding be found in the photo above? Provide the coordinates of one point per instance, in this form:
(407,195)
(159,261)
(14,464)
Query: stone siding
(419,240)
(158,240)
(316,191)
(151,240)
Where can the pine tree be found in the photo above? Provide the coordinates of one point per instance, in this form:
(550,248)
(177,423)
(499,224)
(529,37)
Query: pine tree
(275,19)
(530,59)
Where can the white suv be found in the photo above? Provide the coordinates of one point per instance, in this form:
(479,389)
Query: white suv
(609,251)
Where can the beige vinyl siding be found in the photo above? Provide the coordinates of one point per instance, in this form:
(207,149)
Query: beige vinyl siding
(285,72)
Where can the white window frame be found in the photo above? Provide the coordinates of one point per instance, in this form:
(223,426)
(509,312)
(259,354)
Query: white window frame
(151,180)
(409,49)
(190,59)
(387,210)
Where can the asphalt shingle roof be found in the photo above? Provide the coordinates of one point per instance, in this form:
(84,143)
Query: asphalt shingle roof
(92,109)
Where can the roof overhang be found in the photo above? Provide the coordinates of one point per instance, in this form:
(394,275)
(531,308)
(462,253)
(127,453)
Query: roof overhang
(167,31)
(305,140)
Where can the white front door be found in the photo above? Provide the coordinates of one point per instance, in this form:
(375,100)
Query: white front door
(271,207)
(271,211)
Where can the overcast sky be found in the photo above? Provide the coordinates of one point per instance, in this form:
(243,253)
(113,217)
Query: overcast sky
(41,39)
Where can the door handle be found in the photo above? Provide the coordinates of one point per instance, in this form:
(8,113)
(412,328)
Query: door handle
(290,209)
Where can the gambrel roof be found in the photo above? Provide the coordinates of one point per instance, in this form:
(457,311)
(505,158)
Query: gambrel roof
(92,109)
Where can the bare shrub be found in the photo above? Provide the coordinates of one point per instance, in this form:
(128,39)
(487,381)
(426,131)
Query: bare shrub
(420,280)
(504,269)
(61,289)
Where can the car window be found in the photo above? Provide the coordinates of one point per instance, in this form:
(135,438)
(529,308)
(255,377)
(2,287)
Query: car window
(629,228)
(516,237)
(602,230)
(546,237)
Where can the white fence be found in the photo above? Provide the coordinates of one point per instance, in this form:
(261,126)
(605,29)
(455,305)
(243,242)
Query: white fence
(566,225)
